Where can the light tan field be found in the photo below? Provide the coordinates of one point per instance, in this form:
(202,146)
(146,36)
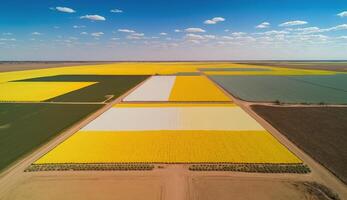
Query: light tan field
(173,182)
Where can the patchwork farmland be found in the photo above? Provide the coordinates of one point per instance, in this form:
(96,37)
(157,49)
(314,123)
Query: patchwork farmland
(186,119)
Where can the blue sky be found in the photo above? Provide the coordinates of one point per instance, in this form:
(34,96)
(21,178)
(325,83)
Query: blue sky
(172,29)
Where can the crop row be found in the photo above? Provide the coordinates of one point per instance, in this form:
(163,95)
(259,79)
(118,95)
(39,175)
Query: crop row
(88,167)
(256,168)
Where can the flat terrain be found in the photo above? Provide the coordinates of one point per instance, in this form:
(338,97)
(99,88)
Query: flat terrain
(178,89)
(170,147)
(319,131)
(287,89)
(170,183)
(60,186)
(218,188)
(27,65)
(105,87)
(24,127)
(37,91)
(159,138)
(340,66)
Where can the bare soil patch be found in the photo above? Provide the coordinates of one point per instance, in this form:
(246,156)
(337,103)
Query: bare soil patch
(319,131)
(213,188)
(73,188)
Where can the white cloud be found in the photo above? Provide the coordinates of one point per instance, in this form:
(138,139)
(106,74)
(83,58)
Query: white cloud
(163,33)
(115,39)
(195,30)
(293,23)
(126,31)
(192,36)
(77,26)
(273,33)
(210,36)
(342,14)
(309,30)
(97,34)
(134,37)
(7,39)
(7,34)
(214,20)
(194,41)
(227,38)
(177,31)
(65,9)
(263,25)
(93,17)
(313,37)
(238,33)
(336,28)
(116,10)
(84,33)
(342,37)
(245,39)
(138,34)
(196,37)
(36,33)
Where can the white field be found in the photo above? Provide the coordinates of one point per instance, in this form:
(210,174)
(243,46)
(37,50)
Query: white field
(157,88)
(174,118)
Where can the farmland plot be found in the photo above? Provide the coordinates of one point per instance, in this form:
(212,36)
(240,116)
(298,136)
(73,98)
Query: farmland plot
(106,86)
(24,127)
(319,131)
(196,88)
(178,89)
(336,82)
(157,88)
(170,147)
(37,91)
(140,133)
(280,88)
(174,118)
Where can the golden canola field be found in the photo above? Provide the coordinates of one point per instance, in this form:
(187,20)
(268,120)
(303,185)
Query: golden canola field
(195,88)
(170,147)
(37,91)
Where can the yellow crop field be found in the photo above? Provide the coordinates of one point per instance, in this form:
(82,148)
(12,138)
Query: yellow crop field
(37,91)
(170,147)
(196,88)
(129,68)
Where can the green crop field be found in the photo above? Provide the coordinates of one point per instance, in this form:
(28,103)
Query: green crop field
(107,85)
(337,82)
(24,127)
(293,89)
